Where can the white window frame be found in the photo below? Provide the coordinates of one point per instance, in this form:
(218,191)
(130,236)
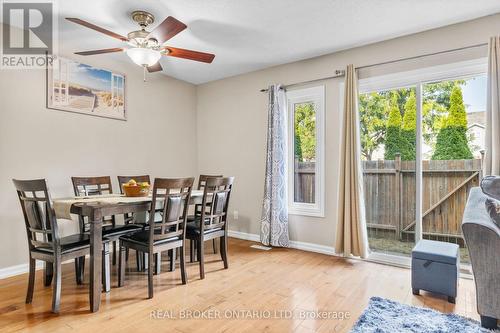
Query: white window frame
(456,70)
(417,78)
(317,96)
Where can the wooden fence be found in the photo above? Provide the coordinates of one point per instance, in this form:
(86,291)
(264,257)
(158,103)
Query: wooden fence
(305,185)
(390,193)
(390,197)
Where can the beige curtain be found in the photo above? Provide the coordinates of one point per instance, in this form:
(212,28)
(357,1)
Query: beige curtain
(492,144)
(352,236)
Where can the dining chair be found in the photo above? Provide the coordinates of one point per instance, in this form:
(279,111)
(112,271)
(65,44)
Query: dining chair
(84,186)
(167,234)
(216,194)
(45,243)
(202,179)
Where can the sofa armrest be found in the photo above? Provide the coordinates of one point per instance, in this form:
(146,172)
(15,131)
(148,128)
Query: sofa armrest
(483,241)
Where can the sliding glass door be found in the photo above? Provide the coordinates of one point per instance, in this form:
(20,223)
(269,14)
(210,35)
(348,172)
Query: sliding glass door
(452,152)
(422,148)
(388,147)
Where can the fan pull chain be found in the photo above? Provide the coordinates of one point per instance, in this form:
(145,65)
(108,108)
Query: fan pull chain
(144,73)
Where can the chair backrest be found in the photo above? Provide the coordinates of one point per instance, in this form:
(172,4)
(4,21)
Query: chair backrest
(92,185)
(215,203)
(125,179)
(39,218)
(203,179)
(174,195)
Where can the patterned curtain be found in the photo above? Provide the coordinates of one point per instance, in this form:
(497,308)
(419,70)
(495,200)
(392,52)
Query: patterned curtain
(274,222)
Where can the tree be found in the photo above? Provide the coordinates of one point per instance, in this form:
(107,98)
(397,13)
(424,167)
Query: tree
(393,129)
(436,103)
(452,142)
(298,148)
(305,132)
(374,112)
(373,118)
(402,95)
(440,92)
(409,129)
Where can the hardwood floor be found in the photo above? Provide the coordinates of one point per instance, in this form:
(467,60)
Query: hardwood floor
(280,279)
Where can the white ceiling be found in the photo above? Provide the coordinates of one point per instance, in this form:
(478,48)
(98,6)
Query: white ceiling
(247,35)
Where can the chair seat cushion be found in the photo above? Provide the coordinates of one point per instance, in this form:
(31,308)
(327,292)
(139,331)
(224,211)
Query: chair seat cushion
(71,243)
(193,228)
(142,237)
(120,230)
(196,218)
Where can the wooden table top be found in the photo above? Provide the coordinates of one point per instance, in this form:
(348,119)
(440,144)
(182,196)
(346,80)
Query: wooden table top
(108,202)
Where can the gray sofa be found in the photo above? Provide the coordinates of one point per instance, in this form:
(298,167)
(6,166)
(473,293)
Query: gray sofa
(483,241)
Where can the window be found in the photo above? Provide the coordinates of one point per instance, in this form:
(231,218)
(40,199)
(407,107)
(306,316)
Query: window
(422,134)
(117,92)
(306,113)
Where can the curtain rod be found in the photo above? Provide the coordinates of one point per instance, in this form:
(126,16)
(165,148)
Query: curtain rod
(341,73)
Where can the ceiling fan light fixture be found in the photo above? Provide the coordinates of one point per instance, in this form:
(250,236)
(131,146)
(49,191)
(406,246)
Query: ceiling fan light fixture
(145,48)
(143,56)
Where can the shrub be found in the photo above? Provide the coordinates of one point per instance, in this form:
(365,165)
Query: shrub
(452,142)
(393,132)
(409,129)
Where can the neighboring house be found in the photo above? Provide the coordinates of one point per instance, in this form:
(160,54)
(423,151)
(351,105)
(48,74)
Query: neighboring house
(476,131)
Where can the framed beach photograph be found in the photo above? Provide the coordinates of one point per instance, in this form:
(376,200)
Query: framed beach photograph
(76,87)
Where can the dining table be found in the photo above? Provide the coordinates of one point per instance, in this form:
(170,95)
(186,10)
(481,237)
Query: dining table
(95,208)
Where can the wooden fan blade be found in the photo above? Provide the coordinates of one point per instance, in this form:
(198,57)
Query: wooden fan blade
(155,68)
(189,54)
(167,29)
(86,53)
(96,28)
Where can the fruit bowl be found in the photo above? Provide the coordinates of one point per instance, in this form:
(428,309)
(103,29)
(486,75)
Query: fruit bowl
(133,189)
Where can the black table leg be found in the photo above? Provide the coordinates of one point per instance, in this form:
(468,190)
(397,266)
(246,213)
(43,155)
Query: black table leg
(48,273)
(157,259)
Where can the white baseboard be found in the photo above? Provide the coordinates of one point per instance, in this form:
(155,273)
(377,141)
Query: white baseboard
(310,247)
(243,235)
(17,270)
(23,269)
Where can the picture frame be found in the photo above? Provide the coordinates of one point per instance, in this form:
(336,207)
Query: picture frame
(72,86)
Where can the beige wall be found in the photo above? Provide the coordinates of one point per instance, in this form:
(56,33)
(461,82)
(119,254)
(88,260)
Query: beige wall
(158,138)
(222,125)
(232,117)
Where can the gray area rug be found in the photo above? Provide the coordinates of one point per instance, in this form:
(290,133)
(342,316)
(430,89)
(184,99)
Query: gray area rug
(386,316)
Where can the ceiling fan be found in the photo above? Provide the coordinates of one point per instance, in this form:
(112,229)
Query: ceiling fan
(146,48)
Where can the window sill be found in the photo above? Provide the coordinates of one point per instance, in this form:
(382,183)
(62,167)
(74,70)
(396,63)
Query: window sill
(309,213)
